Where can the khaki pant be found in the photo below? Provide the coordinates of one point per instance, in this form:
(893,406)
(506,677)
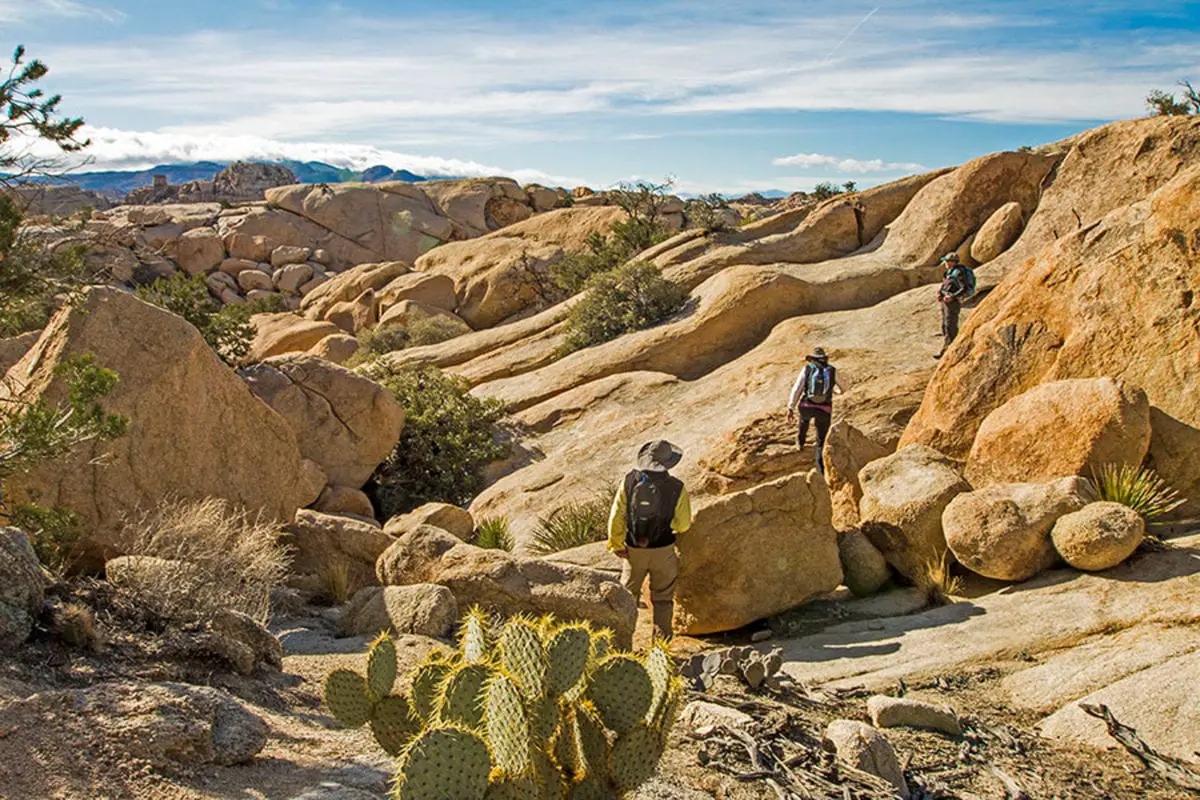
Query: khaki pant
(662,565)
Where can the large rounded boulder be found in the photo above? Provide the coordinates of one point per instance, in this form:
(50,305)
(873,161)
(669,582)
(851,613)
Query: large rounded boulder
(903,497)
(21,587)
(1003,531)
(1098,536)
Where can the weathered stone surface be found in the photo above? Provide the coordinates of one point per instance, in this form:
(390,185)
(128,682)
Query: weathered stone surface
(200,251)
(998,233)
(593,556)
(291,277)
(170,447)
(477,206)
(784,553)
(249,248)
(847,451)
(864,568)
(337,348)
(322,541)
(904,495)
(12,348)
(1003,531)
(424,609)
(251,280)
(1072,427)
(431,290)
(344,500)
(1099,536)
(245,629)
(698,715)
(451,519)
(351,284)
(164,724)
(276,334)
(284,254)
(865,748)
(1157,702)
(21,588)
(908,712)
(312,480)
(342,421)
(355,316)
(234,267)
(1067,313)
(508,584)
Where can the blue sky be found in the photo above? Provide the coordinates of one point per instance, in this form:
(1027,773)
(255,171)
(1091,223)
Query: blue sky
(721,96)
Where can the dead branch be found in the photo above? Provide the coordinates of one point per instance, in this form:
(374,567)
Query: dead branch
(1173,770)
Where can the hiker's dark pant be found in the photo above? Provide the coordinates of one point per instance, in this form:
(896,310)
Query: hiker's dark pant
(822,419)
(950,312)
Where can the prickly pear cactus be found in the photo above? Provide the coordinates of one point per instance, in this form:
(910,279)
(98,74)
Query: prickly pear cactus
(533,711)
(444,762)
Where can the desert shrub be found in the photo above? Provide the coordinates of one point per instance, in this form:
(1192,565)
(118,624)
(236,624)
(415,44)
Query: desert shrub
(432,330)
(1164,104)
(227,329)
(215,557)
(448,437)
(824,191)
(384,339)
(629,298)
(1141,490)
(76,624)
(936,580)
(704,212)
(573,525)
(492,533)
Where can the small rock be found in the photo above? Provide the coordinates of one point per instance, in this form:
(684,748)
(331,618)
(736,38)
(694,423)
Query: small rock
(698,714)
(1098,536)
(865,748)
(423,609)
(247,630)
(905,712)
(761,636)
(451,519)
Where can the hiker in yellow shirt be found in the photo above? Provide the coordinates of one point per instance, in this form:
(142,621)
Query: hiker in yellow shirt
(650,508)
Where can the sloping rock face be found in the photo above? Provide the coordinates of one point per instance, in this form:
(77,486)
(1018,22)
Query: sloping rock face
(768,549)
(184,407)
(277,334)
(507,584)
(344,422)
(904,496)
(490,273)
(1061,428)
(1114,299)
(349,285)
(12,348)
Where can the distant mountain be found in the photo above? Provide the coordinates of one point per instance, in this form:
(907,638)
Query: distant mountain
(118,183)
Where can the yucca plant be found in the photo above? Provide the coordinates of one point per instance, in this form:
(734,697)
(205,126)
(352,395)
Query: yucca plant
(1139,489)
(572,525)
(491,533)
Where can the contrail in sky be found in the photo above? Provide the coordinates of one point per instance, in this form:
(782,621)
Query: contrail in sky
(853,31)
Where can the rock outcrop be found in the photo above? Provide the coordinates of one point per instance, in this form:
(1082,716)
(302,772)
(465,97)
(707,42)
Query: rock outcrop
(21,588)
(508,584)
(451,519)
(862,747)
(904,495)
(327,541)
(1003,531)
(344,422)
(770,549)
(847,451)
(184,407)
(1062,428)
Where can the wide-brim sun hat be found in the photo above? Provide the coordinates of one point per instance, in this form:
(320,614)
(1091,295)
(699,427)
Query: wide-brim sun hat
(658,456)
(818,354)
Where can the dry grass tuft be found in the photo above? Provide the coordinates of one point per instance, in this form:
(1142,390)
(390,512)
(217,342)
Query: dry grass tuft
(334,580)
(936,580)
(214,557)
(76,624)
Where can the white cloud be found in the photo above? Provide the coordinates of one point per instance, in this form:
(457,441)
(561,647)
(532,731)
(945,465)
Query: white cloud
(845,165)
(24,11)
(133,150)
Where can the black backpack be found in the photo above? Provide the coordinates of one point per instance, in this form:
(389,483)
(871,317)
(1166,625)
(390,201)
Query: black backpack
(819,386)
(650,503)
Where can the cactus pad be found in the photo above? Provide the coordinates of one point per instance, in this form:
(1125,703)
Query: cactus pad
(634,758)
(567,657)
(346,696)
(426,685)
(621,690)
(543,719)
(601,644)
(507,727)
(668,714)
(381,666)
(442,763)
(393,724)
(462,695)
(591,743)
(591,789)
(524,657)
(660,669)
(513,789)
(473,637)
(565,748)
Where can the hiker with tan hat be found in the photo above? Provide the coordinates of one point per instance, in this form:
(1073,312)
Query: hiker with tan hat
(813,394)
(650,508)
(958,286)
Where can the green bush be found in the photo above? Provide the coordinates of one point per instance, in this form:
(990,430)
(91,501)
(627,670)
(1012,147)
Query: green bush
(825,190)
(573,525)
(432,330)
(448,437)
(227,330)
(705,213)
(629,298)
(492,533)
(384,339)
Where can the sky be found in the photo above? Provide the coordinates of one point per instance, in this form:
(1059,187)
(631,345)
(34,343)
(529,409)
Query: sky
(718,96)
